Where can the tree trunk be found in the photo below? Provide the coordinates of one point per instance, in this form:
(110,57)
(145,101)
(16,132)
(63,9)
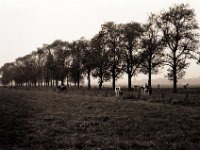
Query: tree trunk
(174,74)
(56,82)
(149,83)
(113,76)
(100,83)
(78,83)
(129,67)
(114,68)
(88,77)
(62,82)
(149,80)
(129,80)
(175,81)
(51,82)
(100,79)
(67,80)
(78,78)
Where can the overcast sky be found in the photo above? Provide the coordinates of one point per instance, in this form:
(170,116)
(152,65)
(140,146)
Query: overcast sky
(27,24)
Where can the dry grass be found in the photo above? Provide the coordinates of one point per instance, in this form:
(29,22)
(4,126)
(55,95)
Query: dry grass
(47,119)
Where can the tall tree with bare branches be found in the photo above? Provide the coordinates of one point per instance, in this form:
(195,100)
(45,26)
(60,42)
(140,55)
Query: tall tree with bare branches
(101,62)
(131,43)
(153,49)
(179,28)
(112,33)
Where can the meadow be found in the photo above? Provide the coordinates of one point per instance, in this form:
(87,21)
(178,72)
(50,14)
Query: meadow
(41,118)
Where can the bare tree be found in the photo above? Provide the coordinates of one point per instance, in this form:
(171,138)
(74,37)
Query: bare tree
(153,49)
(88,62)
(112,35)
(40,61)
(60,53)
(132,60)
(179,28)
(50,65)
(101,62)
(77,48)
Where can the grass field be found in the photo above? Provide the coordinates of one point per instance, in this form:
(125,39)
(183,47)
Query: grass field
(81,119)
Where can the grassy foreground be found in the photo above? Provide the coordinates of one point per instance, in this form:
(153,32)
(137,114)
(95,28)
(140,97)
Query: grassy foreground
(53,120)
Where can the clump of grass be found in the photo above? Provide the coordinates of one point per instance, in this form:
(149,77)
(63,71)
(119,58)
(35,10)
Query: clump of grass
(130,96)
(134,96)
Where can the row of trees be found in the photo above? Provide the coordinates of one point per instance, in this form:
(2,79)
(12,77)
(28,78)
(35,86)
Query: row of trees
(169,38)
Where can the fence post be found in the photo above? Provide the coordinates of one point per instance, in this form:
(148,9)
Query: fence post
(139,92)
(187,95)
(163,96)
(83,93)
(106,94)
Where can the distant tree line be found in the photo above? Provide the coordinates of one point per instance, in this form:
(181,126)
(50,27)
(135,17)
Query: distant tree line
(168,38)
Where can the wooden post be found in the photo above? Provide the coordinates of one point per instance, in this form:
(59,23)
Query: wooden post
(187,95)
(139,92)
(106,94)
(163,96)
(83,93)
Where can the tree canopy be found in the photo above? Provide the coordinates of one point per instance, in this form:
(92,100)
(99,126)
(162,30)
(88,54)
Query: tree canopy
(170,38)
